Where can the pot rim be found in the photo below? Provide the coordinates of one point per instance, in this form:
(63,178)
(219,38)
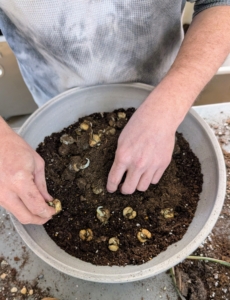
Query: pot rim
(136,272)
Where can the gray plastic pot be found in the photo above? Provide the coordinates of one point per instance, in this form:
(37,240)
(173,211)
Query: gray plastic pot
(66,109)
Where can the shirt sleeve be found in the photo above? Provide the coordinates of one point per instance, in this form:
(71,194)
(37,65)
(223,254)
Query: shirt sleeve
(201,5)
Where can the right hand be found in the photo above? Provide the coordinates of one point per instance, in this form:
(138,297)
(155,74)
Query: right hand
(23,190)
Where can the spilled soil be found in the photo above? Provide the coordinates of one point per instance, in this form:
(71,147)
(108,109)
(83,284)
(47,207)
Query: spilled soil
(11,288)
(204,279)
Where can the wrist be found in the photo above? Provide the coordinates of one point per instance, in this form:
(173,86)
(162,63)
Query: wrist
(172,99)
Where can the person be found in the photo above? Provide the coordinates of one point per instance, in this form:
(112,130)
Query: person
(63,44)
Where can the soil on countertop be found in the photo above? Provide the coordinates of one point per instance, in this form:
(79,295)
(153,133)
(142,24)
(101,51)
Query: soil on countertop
(11,288)
(204,279)
(165,209)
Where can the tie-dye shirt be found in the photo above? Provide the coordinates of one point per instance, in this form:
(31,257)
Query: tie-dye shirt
(61,44)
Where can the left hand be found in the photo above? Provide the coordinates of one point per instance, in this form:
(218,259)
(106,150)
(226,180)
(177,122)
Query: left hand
(144,149)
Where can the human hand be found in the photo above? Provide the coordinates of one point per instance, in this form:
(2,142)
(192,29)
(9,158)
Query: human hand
(23,189)
(144,149)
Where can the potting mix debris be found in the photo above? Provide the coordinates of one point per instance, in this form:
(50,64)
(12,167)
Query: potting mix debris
(204,279)
(11,288)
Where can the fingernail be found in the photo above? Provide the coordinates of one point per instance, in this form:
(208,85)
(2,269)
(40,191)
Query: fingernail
(44,214)
(110,190)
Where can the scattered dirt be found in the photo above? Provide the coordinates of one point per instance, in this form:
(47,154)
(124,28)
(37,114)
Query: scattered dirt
(11,288)
(91,216)
(206,280)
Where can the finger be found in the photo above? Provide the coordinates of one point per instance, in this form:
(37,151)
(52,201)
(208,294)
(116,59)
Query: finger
(115,175)
(40,182)
(145,181)
(33,200)
(157,176)
(131,181)
(19,210)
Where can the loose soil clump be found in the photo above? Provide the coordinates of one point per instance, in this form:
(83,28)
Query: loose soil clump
(115,229)
(12,288)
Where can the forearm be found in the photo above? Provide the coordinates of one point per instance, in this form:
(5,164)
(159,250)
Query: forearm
(146,143)
(205,47)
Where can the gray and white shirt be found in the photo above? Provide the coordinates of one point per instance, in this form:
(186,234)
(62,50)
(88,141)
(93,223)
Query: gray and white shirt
(61,44)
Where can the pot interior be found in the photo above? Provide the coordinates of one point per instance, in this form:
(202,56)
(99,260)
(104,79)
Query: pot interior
(66,109)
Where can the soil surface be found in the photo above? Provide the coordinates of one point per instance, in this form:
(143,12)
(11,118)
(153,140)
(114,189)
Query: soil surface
(202,279)
(78,161)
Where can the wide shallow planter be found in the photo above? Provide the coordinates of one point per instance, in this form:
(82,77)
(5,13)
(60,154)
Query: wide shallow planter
(66,109)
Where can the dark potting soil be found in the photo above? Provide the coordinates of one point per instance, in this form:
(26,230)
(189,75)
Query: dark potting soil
(165,210)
